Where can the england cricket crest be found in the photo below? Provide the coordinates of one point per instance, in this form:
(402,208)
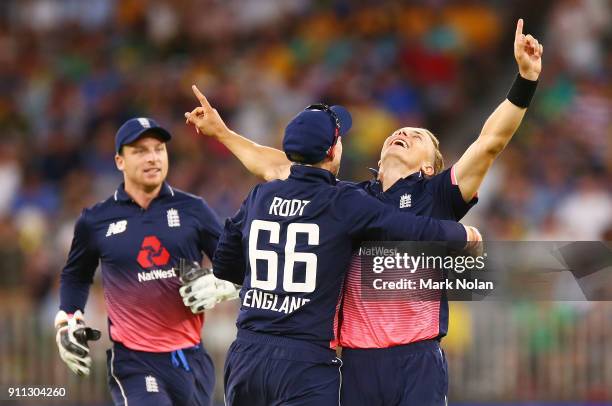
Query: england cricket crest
(405,201)
(173,218)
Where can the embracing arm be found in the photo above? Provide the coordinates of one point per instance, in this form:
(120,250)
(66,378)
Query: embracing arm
(265,162)
(370,219)
(501,125)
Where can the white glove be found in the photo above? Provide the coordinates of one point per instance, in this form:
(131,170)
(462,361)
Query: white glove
(72,336)
(200,294)
(206,291)
(226,290)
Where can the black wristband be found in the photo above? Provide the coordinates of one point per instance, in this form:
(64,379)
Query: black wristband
(522,91)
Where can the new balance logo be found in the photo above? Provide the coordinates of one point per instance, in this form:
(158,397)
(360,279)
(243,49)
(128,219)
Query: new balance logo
(405,201)
(173,218)
(116,228)
(151,384)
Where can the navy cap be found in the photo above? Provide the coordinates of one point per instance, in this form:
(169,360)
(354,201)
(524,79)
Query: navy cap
(132,129)
(311,133)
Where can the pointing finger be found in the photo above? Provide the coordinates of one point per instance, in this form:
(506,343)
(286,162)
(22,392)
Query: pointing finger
(519,29)
(200,96)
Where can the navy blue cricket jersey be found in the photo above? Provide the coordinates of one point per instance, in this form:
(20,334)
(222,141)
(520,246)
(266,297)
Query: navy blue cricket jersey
(380,324)
(139,251)
(290,244)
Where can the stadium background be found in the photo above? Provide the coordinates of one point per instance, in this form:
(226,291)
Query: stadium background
(72,71)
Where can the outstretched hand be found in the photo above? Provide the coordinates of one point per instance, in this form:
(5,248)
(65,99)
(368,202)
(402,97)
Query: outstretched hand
(528,53)
(205,118)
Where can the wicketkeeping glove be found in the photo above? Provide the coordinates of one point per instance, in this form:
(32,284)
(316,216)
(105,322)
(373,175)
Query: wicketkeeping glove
(201,290)
(72,337)
(226,290)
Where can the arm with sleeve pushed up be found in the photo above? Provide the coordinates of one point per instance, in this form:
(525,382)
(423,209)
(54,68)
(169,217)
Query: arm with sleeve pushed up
(77,275)
(264,162)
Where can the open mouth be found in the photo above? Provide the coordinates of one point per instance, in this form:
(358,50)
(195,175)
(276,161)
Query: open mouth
(152,171)
(400,142)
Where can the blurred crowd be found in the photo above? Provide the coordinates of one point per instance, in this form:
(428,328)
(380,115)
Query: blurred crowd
(72,71)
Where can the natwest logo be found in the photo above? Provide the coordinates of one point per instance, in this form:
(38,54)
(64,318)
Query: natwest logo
(152,253)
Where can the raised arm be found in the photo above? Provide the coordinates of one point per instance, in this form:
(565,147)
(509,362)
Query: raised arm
(501,125)
(264,162)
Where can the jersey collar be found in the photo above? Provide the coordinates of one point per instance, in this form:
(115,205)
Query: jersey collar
(312,174)
(410,180)
(121,195)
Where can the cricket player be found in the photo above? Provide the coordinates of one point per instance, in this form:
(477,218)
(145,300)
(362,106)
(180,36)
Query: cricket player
(289,247)
(391,354)
(138,236)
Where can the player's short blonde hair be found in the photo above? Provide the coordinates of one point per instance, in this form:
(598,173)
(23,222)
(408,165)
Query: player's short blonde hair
(438,158)
(438,163)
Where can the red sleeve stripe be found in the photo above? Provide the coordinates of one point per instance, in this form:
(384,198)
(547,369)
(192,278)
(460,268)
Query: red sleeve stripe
(452,175)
